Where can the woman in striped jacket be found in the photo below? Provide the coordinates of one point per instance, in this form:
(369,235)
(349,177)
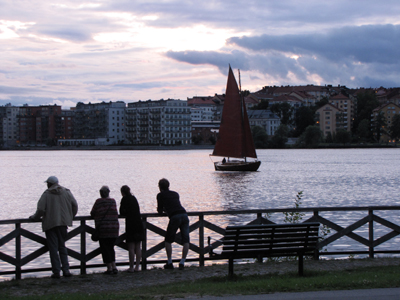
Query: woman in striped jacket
(105,215)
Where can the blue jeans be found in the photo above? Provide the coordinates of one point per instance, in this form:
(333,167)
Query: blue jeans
(58,252)
(180,221)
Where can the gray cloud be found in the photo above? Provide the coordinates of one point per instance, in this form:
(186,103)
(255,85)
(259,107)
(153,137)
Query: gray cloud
(16,90)
(344,55)
(372,43)
(219,59)
(140,86)
(68,34)
(338,42)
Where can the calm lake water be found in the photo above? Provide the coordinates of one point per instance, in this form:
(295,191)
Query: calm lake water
(349,177)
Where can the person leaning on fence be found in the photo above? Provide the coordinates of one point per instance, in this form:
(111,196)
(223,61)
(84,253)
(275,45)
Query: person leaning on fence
(105,215)
(168,201)
(56,208)
(129,208)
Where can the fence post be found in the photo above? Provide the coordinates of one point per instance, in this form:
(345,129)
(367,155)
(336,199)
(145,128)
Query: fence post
(144,245)
(83,247)
(18,251)
(201,240)
(371,233)
(316,251)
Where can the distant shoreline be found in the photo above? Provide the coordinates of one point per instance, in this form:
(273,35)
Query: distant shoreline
(185,147)
(126,147)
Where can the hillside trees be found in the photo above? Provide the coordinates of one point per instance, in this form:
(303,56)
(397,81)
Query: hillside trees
(304,118)
(343,136)
(364,130)
(262,105)
(280,137)
(394,129)
(366,103)
(311,137)
(379,126)
(260,137)
(284,111)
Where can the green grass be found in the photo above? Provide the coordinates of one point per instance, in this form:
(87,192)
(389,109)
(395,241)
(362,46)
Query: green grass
(362,278)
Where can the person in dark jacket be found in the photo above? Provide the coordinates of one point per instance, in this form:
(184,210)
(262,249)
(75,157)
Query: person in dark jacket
(105,215)
(129,208)
(168,201)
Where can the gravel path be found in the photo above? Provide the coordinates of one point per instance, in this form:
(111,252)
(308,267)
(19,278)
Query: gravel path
(97,282)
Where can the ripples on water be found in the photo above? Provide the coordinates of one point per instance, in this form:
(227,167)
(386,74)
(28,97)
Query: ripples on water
(350,177)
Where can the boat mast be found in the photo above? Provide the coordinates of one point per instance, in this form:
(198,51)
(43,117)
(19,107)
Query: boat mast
(241,105)
(240,83)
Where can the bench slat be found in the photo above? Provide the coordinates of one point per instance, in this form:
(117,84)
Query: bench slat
(267,236)
(310,224)
(272,244)
(269,240)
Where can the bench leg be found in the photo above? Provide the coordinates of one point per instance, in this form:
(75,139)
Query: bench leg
(230,273)
(300,265)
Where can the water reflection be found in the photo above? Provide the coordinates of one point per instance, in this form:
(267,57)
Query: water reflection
(349,177)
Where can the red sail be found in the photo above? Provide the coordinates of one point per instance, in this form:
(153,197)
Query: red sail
(234,139)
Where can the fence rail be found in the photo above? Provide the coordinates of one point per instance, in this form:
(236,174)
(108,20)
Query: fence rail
(198,227)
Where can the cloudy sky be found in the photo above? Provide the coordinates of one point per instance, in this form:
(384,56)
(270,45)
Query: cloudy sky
(66,51)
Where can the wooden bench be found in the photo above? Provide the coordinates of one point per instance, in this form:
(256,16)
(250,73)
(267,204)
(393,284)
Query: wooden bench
(271,240)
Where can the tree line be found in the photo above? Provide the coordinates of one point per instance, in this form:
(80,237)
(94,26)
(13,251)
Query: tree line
(301,124)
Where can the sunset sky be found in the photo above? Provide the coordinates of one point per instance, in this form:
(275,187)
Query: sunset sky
(64,52)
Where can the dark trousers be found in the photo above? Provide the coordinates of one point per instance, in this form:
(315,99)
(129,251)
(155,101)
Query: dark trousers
(58,252)
(107,249)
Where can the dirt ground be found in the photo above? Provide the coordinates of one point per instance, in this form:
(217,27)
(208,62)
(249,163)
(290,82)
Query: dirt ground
(98,282)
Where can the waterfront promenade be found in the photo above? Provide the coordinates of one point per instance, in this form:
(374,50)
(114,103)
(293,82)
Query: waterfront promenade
(98,283)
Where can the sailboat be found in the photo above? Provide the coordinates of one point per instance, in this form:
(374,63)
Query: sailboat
(235,142)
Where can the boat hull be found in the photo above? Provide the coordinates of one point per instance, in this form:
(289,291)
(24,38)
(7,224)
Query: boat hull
(237,166)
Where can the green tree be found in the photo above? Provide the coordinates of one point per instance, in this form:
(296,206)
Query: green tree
(262,105)
(196,139)
(329,138)
(343,136)
(284,111)
(322,102)
(280,137)
(295,217)
(311,137)
(245,93)
(305,116)
(212,139)
(366,103)
(395,128)
(364,130)
(260,137)
(379,126)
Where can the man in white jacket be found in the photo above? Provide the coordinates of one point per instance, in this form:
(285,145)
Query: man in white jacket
(56,208)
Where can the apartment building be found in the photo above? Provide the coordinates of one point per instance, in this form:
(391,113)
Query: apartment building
(9,125)
(67,123)
(344,103)
(161,122)
(39,125)
(103,120)
(389,110)
(206,108)
(330,119)
(265,119)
